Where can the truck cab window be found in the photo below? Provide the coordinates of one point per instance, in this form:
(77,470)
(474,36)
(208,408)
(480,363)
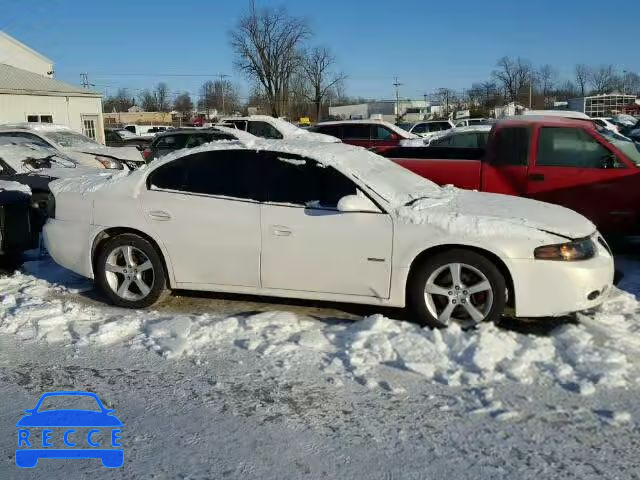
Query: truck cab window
(510,146)
(572,147)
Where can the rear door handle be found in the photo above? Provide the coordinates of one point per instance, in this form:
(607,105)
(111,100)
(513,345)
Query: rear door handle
(160,215)
(536,177)
(280,231)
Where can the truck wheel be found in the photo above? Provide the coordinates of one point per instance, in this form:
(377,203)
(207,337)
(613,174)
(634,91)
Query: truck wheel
(130,272)
(456,286)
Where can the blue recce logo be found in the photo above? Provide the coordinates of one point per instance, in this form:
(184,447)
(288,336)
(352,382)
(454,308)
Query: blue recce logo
(101,422)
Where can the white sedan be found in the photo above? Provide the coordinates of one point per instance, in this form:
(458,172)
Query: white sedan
(327,222)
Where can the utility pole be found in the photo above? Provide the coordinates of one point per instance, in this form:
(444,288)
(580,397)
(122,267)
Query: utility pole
(397,84)
(426,95)
(624,82)
(445,92)
(222,77)
(530,89)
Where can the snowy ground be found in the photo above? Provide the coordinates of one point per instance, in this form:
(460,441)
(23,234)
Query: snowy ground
(238,387)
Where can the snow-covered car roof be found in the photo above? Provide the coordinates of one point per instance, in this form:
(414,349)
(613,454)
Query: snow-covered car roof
(400,131)
(38,127)
(287,129)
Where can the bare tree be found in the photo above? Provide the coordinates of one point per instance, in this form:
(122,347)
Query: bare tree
(120,102)
(161,93)
(221,95)
(582,73)
(603,79)
(317,71)
(513,75)
(547,78)
(183,104)
(266,43)
(147,101)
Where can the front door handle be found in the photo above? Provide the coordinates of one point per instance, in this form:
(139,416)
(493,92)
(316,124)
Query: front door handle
(536,177)
(160,215)
(280,231)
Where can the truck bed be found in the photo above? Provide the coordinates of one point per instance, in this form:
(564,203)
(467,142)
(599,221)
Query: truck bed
(441,164)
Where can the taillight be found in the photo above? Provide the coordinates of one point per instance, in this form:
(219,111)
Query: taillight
(146,153)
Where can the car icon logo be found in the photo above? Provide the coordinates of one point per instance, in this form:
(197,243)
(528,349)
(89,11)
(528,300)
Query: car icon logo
(69,433)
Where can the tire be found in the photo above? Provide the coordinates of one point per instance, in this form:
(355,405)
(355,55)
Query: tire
(434,300)
(130,258)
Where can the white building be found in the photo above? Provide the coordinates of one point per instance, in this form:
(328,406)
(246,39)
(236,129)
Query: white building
(604,105)
(388,110)
(28,93)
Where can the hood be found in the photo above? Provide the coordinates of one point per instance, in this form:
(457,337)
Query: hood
(487,214)
(119,153)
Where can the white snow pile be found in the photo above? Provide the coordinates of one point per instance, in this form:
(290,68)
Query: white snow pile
(9,186)
(601,351)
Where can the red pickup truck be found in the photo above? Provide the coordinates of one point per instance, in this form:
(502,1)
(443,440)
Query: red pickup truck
(568,162)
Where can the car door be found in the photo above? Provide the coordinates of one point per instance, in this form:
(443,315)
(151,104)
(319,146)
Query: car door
(308,245)
(506,163)
(204,208)
(575,169)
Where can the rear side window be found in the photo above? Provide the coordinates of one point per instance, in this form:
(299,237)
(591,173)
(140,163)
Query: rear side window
(333,130)
(356,131)
(171,142)
(569,147)
(264,130)
(420,128)
(229,173)
(378,132)
(511,146)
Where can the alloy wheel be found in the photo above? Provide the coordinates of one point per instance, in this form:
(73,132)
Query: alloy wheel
(129,273)
(460,293)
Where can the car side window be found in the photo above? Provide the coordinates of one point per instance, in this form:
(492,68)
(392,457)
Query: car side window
(171,142)
(112,136)
(264,130)
(196,140)
(20,138)
(356,131)
(295,180)
(333,130)
(510,146)
(464,140)
(420,128)
(572,147)
(225,173)
(378,132)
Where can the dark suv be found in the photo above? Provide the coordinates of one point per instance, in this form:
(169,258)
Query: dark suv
(173,140)
(372,134)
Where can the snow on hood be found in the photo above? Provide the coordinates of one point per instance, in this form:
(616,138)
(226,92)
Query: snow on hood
(6,185)
(471,213)
(87,183)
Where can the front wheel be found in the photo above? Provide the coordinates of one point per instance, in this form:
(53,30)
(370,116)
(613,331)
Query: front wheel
(130,272)
(457,286)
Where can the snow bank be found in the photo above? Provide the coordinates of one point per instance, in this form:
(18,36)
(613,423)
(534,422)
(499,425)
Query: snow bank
(601,351)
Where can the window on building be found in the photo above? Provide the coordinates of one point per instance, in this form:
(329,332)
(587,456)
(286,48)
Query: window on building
(40,118)
(89,128)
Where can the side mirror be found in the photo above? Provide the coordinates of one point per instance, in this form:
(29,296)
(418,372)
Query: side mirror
(356,203)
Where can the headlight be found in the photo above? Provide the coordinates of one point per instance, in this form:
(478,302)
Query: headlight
(108,162)
(581,249)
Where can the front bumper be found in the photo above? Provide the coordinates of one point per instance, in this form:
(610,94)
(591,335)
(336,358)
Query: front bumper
(553,288)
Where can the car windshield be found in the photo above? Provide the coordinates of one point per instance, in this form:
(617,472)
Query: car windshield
(630,148)
(69,402)
(69,139)
(26,157)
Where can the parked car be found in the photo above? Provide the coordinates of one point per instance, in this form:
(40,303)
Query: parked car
(431,127)
(268,127)
(606,123)
(558,160)
(17,229)
(376,135)
(468,122)
(462,137)
(146,131)
(82,149)
(177,139)
(119,137)
(34,167)
(336,223)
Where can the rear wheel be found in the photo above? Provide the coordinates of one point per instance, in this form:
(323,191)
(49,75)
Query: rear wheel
(457,286)
(130,272)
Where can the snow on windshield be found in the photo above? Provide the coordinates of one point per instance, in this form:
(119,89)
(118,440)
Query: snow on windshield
(26,157)
(68,138)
